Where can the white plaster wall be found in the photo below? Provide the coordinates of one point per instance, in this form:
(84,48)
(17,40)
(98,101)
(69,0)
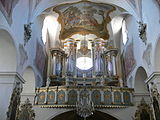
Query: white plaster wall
(150,16)
(20,17)
(6,87)
(8,53)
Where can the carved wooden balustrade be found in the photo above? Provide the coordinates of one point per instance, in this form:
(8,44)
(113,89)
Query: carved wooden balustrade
(67,96)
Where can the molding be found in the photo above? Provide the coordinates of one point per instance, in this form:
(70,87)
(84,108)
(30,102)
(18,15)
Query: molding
(141,94)
(73,106)
(12,74)
(154,74)
(28,94)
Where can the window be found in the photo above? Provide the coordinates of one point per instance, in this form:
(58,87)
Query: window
(84,63)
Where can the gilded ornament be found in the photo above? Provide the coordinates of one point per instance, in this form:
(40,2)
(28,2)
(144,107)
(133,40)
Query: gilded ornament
(143,111)
(26,112)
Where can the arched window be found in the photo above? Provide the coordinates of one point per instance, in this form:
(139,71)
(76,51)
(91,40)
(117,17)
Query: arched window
(84,63)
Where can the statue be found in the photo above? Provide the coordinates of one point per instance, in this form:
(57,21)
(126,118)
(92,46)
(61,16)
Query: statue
(48,82)
(144,111)
(27,32)
(26,112)
(142,32)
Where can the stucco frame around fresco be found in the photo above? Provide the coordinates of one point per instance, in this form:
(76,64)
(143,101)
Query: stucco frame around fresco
(83,21)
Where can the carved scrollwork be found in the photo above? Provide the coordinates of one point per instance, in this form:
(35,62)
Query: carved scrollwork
(144,111)
(26,112)
(155,101)
(14,102)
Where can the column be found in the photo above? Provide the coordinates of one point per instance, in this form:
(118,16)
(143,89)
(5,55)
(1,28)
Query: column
(102,96)
(66,96)
(93,60)
(114,65)
(49,68)
(75,59)
(114,54)
(64,69)
(53,60)
(102,81)
(57,57)
(105,64)
(109,66)
(46,95)
(55,99)
(90,95)
(48,82)
(78,95)
(67,81)
(122,100)
(131,97)
(112,92)
(36,97)
(121,82)
(111,58)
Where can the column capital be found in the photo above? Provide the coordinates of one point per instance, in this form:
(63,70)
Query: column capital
(112,52)
(57,51)
(11,75)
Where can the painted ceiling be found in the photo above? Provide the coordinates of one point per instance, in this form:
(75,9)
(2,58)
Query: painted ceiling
(83,18)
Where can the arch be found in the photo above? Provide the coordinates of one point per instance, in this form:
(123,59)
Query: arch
(140,77)
(41,98)
(126,98)
(96,97)
(29,77)
(117,97)
(61,97)
(8,52)
(72,97)
(107,98)
(72,115)
(51,97)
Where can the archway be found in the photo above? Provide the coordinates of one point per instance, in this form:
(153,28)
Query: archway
(71,115)
(8,61)
(29,77)
(140,77)
(157,56)
(8,66)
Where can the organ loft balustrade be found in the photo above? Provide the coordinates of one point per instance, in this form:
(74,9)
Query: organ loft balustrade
(67,96)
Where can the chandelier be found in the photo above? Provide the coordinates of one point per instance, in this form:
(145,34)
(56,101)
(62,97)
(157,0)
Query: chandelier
(84,107)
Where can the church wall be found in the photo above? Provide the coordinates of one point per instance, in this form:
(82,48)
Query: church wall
(21,16)
(25,55)
(150,15)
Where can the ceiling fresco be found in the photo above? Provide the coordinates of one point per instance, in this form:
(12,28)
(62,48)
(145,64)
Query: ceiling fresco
(84,17)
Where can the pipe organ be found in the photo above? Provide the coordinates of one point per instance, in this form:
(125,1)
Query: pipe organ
(79,60)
